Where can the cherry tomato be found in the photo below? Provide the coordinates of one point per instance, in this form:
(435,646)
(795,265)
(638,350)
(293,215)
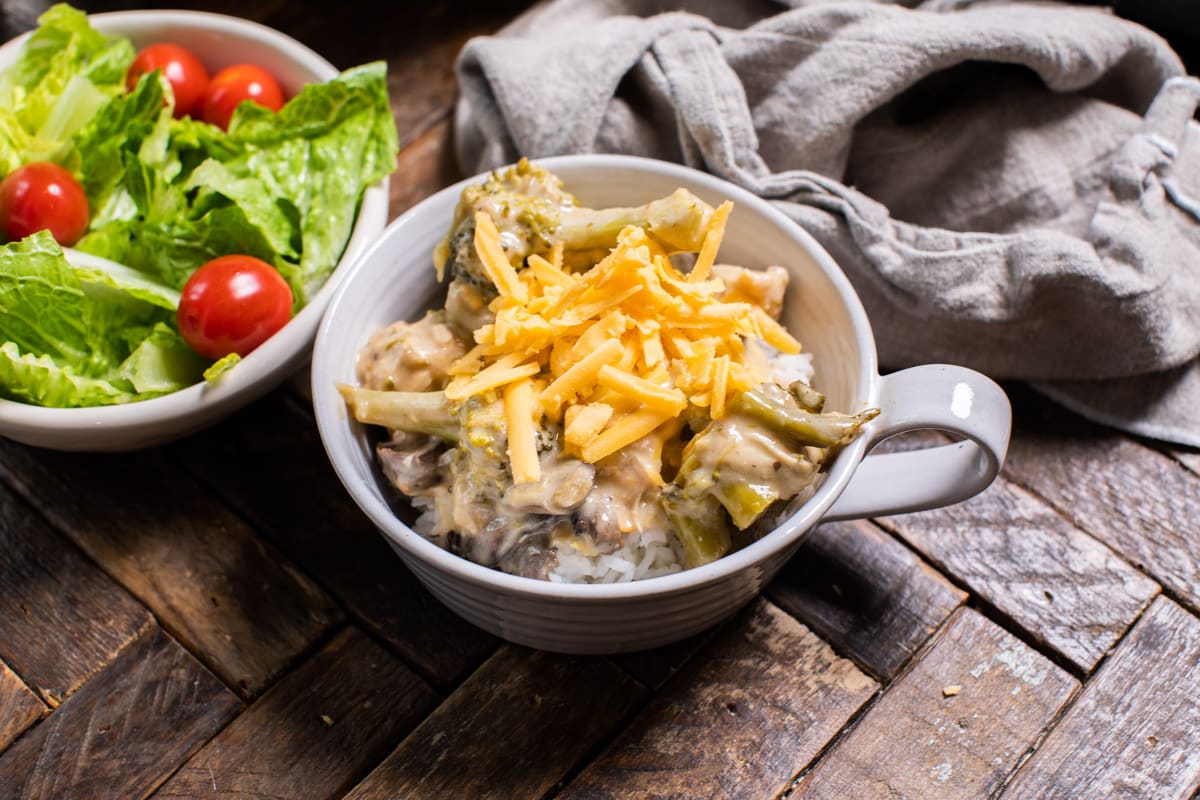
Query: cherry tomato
(233,304)
(229,87)
(186,74)
(43,196)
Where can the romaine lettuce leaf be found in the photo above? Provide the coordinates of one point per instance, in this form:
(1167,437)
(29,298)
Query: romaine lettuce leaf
(42,301)
(66,72)
(162,363)
(132,127)
(166,195)
(42,381)
(281,187)
(88,335)
(345,122)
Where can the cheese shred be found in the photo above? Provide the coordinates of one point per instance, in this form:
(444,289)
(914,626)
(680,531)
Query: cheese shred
(612,352)
(522,434)
(495,262)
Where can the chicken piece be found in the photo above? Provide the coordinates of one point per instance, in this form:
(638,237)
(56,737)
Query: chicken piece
(623,499)
(410,356)
(764,288)
(410,462)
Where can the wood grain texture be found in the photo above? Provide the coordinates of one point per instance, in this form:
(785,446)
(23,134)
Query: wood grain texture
(1132,732)
(424,167)
(865,593)
(316,732)
(519,724)
(61,618)
(212,583)
(1144,505)
(655,667)
(122,733)
(19,707)
(752,709)
(419,42)
(923,739)
(1069,591)
(257,460)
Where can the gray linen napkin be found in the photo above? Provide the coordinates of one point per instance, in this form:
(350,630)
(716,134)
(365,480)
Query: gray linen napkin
(1010,186)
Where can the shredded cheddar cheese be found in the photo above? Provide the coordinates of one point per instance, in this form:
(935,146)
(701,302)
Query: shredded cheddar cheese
(495,262)
(522,436)
(584,423)
(613,352)
(712,242)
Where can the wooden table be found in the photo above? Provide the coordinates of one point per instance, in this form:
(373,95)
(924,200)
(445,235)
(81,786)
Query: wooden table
(215,618)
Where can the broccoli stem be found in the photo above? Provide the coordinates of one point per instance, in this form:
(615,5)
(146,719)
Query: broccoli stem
(808,397)
(699,523)
(680,221)
(745,502)
(415,412)
(798,426)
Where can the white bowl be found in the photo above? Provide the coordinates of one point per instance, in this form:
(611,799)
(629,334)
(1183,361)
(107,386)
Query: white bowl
(395,280)
(218,41)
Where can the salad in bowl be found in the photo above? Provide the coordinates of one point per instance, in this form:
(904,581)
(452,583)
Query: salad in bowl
(130,184)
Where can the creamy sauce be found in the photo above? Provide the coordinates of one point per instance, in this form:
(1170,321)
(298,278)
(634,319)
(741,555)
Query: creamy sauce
(410,356)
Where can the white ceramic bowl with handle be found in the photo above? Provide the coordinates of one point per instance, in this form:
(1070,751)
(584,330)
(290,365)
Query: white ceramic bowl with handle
(395,280)
(218,41)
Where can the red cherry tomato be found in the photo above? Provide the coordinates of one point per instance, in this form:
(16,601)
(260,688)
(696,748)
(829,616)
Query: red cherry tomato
(186,74)
(43,196)
(229,87)
(233,304)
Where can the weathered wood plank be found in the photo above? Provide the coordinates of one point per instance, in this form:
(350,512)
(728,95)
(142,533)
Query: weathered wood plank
(316,732)
(257,460)
(515,728)
(655,667)
(419,41)
(424,167)
(1132,732)
(1069,591)
(954,725)
(124,731)
(211,581)
(61,618)
(864,592)
(19,707)
(740,720)
(1141,503)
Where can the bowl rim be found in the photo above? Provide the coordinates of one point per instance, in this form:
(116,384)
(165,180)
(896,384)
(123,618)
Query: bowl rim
(334,424)
(118,22)
(200,403)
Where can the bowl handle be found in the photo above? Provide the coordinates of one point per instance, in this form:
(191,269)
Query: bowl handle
(948,398)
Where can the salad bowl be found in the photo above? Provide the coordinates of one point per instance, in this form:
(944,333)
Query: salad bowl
(395,280)
(218,41)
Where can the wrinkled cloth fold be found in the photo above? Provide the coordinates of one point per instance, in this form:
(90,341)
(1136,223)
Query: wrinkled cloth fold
(1010,186)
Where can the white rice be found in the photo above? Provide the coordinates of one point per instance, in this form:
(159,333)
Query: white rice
(787,369)
(642,555)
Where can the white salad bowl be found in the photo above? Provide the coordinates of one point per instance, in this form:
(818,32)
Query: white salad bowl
(396,280)
(218,41)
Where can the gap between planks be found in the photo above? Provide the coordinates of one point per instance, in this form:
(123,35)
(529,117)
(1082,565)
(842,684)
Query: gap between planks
(923,739)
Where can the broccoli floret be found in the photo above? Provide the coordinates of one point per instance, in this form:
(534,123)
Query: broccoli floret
(533,212)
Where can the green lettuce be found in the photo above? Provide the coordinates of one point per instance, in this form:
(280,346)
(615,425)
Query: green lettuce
(86,335)
(165,196)
(284,187)
(65,73)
